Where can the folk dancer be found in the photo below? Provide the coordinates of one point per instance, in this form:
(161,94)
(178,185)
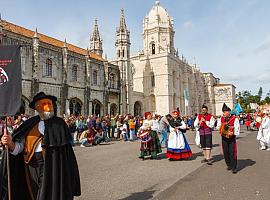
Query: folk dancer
(228,126)
(150,145)
(264,132)
(204,123)
(178,147)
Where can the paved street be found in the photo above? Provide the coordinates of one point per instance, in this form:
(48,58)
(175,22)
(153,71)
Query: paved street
(215,182)
(113,171)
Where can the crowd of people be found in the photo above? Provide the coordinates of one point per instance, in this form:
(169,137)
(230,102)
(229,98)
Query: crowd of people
(154,130)
(93,129)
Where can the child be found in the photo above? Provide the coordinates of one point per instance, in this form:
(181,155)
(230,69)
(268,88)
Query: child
(124,132)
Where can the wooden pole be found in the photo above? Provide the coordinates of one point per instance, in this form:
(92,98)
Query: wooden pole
(8,169)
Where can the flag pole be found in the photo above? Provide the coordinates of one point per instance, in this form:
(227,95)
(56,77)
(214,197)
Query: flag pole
(8,168)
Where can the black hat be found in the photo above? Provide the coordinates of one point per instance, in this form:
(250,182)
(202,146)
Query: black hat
(204,106)
(225,108)
(39,96)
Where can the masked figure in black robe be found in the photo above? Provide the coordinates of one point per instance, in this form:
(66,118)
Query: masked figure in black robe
(42,162)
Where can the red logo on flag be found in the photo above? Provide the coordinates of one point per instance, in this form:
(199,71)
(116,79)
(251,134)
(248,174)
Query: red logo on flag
(3,76)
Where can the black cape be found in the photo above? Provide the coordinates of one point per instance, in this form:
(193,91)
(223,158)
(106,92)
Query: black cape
(176,123)
(61,179)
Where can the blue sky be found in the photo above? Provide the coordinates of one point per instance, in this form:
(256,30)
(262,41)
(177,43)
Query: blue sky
(230,38)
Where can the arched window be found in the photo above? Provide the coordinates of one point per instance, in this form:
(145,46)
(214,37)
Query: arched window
(112,83)
(153,46)
(48,68)
(113,109)
(119,53)
(153,80)
(74,73)
(137,108)
(94,77)
(75,106)
(123,53)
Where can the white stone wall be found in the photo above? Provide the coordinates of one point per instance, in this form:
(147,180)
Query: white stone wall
(224,94)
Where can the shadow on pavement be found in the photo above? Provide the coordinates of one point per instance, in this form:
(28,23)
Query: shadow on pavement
(195,155)
(217,158)
(146,194)
(215,145)
(243,163)
(105,144)
(161,156)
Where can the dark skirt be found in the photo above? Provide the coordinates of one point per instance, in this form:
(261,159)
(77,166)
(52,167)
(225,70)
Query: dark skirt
(151,147)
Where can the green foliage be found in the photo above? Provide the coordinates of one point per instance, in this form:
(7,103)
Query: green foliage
(267,99)
(245,98)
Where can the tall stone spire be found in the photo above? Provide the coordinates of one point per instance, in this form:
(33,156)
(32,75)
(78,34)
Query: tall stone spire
(96,41)
(122,25)
(122,43)
(122,50)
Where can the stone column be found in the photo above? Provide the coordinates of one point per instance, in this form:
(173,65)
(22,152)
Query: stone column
(64,86)
(87,102)
(35,79)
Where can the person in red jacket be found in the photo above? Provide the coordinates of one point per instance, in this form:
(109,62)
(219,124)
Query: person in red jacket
(228,126)
(205,123)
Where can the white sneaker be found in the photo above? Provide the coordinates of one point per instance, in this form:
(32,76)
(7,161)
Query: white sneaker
(268,149)
(263,148)
(82,145)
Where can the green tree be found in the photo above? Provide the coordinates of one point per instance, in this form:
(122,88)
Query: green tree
(267,99)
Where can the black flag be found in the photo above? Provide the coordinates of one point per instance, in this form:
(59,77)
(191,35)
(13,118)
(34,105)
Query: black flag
(10,80)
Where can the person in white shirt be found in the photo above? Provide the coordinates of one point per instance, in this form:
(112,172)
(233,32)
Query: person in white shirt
(42,156)
(204,123)
(150,144)
(264,132)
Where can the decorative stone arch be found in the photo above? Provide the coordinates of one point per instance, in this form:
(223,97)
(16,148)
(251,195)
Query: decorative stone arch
(138,108)
(113,109)
(75,106)
(97,107)
(113,80)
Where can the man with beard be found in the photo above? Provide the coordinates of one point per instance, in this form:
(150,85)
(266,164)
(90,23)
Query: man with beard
(205,123)
(228,126)
(42,162)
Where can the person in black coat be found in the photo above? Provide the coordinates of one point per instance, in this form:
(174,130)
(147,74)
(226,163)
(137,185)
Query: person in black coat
(43,165)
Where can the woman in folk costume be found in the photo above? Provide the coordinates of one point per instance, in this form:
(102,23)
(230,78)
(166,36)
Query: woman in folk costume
(264,132)
(178,147)
(150,145)
(228,126)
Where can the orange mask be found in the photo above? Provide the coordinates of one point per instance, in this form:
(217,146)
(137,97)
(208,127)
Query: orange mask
(45,105)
